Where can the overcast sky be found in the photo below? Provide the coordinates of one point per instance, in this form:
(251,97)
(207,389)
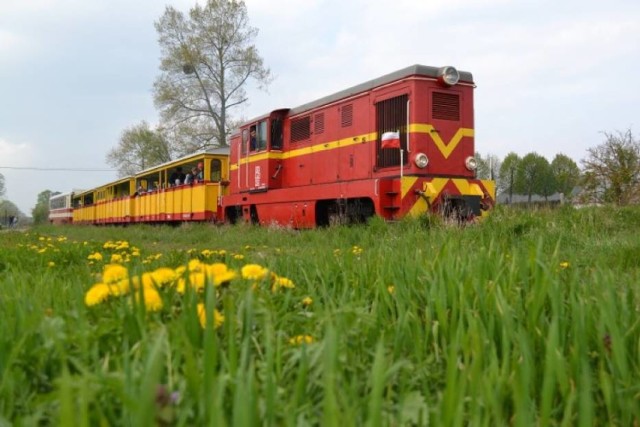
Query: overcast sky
(551,75)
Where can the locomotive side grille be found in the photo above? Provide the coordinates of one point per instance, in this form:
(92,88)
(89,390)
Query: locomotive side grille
(347,115)
(300,129)
(445,106)
(391,116)
(318,123)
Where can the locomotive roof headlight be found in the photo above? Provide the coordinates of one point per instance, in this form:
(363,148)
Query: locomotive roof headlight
(448,76)
(421,160)
(471,163)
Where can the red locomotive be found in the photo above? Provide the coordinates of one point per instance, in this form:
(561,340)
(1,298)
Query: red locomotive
(401,144)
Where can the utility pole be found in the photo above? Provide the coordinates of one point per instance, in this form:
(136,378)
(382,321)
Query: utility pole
(511,187)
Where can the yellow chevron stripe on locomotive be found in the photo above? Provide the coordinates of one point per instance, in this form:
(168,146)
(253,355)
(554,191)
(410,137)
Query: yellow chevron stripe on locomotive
(423,195)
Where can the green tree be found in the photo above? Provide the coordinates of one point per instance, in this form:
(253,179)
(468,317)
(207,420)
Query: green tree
(534,176)
(207,59)
(612,170)
(140,147)
(566,174)
(8,210)
(40,212)
(508,174)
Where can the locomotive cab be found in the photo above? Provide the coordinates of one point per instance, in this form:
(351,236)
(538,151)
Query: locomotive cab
(258,151)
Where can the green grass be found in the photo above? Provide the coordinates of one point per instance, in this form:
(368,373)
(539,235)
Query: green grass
(528,318)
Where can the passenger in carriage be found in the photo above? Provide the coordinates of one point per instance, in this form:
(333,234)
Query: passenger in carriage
(177,177)
(198,176)
(190,176)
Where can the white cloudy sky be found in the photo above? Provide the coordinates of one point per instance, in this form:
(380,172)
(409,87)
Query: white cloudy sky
(551,74)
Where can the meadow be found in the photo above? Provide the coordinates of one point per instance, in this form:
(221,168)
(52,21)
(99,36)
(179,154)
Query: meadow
(527,318)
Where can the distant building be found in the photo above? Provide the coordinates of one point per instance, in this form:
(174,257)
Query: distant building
(505,198)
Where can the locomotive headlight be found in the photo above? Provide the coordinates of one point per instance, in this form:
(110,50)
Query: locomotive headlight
(421,160)
(471,163)
(448,76)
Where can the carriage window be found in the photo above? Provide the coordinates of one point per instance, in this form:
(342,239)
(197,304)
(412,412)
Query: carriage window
(216,170)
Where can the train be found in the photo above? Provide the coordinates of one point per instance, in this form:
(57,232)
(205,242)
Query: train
(396,146)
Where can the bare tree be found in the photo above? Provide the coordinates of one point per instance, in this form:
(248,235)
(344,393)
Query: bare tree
(612,170)
(140,147)
(2,188)
(207,59)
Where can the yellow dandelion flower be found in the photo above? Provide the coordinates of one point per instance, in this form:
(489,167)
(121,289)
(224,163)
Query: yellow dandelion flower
(51,264)
(247,247)
(152,299)
(195,265)
(281,282)
(219,273)
(135,253)
(218,318)
(391,289)
(42,239)
(114,272)
(337,252)
(180,270)
(197,280)
(216,268)
(163,276)
(123,287)
(96,256)
(238,256)
(207,253)
(222,252)
(43,250)
(254,272)
(356,250)
(61,239)
(181,286)
(224,277)
(564,265)
(96,294)
(301,339)
(146,279)
(122,245)
(307,301)
(116,258)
